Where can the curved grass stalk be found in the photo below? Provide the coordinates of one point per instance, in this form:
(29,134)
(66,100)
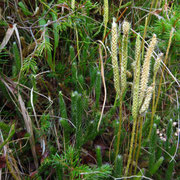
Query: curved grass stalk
(104,83)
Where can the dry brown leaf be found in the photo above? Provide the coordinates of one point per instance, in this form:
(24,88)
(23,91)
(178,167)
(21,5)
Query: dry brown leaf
(29,128)
(8,35)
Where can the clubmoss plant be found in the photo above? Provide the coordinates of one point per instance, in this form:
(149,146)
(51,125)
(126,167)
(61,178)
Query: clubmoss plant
(118,166)
(56,36)
(74,74)
(147,100)
(17,63)
(135,104)
(114,57)
(157,64)
(153,164)
(77,117)
(152,148)
(169,172)
(63,86)
(73,4)
(63,121)
(146,68)
(98,88)
(46,45)
(116,77)
(106,16)
(126,27)
(169,131)
(144,91)
(99,156)
(157,165)
(68,165)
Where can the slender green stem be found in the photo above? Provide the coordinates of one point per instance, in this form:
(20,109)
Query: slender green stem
(165,62)
(106,12)
(77,43)
(119,129)
(131,146)
(156,68)
(135,145)
(153,108)
(139,146)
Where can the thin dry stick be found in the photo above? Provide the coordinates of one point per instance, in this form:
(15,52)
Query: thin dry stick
(104,83)
(57,138)
(33,108)
(21,55)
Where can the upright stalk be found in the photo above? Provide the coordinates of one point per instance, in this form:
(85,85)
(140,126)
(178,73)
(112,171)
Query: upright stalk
(131,146)
(116,77)
(106,15)
(165,62)
(156,68)
(124,55)
(119,129)
(138,100)
(135,145)
(135,105)
(139,146)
